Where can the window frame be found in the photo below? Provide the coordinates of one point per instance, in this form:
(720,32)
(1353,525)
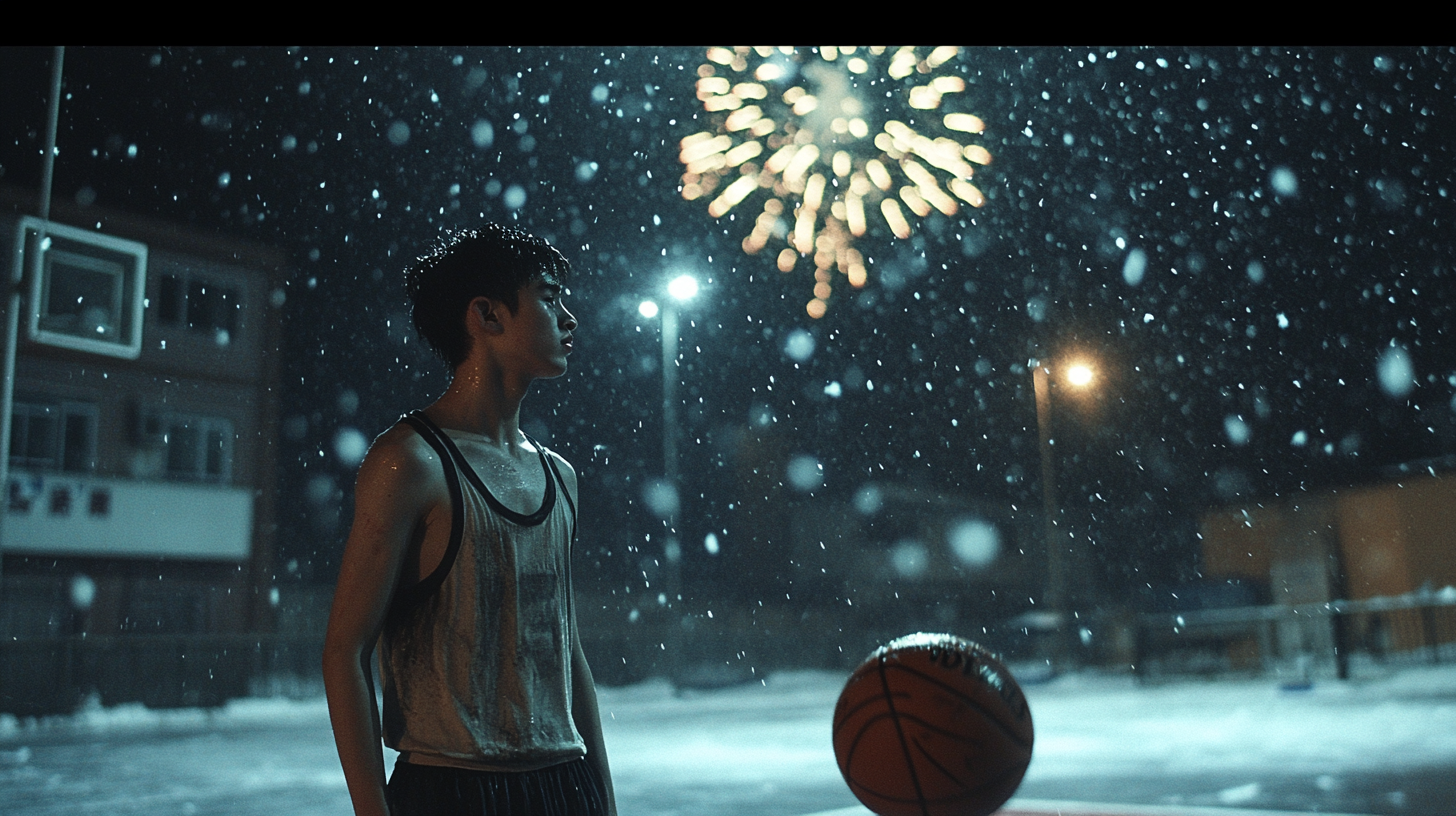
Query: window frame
(63,443)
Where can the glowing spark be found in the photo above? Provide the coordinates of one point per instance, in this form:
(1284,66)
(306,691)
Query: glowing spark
(791,128)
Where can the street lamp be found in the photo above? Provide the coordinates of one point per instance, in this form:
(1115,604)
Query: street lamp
(680,289)
(1077,374)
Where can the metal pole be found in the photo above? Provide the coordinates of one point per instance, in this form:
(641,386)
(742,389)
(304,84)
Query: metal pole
(669,399)
(671,548)
(15,283)
(1056,595)
(1056,563)
(53,118)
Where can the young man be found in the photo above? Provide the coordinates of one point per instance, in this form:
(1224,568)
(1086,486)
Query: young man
(458,565)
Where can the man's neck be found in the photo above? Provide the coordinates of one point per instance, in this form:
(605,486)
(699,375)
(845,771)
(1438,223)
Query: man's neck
(482,402)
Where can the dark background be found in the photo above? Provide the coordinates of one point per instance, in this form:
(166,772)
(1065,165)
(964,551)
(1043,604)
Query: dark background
(1259,309)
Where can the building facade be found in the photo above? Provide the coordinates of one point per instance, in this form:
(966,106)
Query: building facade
(141,486)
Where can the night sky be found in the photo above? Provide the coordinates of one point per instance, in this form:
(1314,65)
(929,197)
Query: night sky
(1255,246)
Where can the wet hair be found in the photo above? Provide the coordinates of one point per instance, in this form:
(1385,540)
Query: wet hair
(492,261)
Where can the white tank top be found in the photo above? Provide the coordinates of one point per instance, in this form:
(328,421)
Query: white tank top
(476,658)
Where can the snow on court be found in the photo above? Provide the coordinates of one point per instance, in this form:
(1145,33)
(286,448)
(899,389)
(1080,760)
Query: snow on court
(1090,725)
(1087,726)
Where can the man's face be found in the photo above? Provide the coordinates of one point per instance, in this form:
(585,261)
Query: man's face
(542,327)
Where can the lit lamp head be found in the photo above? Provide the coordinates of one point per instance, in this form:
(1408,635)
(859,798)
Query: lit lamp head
(1079,374)
(683,287)
(647,309)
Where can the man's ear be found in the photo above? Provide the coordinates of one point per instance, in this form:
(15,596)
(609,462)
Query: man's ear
(484,314)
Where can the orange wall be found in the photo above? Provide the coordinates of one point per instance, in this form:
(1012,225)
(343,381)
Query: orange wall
(1373,539)
(1430,510)
(1237,543)
(1393,538)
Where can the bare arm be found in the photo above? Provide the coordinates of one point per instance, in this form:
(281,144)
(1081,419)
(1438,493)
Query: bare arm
(392,497)
(584,712)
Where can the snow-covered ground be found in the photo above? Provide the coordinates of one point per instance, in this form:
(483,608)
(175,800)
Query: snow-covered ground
(1384,745)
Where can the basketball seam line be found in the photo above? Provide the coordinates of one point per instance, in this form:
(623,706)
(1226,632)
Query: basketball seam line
(931,759)
(996,780)
(986,712)
(904,747)
(843,715)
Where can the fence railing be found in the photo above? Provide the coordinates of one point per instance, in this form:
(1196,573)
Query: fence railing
(1298,643)
(1302,641)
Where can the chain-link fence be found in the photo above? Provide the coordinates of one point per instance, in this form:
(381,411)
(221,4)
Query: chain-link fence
(1299,643)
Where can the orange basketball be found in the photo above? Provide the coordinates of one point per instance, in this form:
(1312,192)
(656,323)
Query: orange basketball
(932,725)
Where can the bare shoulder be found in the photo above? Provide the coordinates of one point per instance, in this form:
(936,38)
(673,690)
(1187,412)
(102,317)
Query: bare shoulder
(399,457)
(400,481)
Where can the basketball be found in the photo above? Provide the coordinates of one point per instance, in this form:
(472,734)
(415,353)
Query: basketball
(932,725)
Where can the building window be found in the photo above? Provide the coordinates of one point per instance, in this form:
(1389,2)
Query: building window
(53,436)
(199,449)
(199,305)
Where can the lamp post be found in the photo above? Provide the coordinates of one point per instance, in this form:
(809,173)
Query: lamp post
(15,280)
(681,289)
(1078,375)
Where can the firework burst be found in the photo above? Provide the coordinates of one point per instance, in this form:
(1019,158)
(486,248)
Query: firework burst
(810,139)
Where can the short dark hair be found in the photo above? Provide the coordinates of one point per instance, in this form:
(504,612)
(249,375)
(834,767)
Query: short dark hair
(492,261)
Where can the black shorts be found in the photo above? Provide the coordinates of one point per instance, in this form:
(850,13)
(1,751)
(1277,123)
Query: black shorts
(570,789)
